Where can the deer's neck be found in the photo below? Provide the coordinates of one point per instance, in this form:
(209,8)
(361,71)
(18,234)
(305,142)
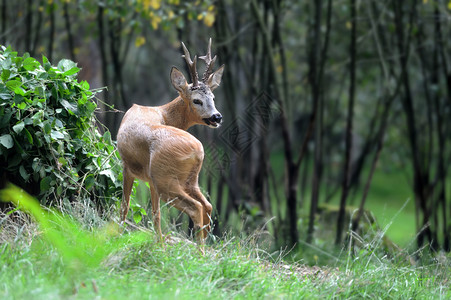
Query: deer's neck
(177,114)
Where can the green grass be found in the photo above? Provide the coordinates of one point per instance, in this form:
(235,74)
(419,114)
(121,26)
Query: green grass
(53,260)
(391,200)
(233,269)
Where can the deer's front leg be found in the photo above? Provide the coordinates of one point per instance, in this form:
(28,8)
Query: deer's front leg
(194,209)
(207,207)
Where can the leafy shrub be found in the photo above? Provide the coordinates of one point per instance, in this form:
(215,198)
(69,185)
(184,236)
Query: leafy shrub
(49,142)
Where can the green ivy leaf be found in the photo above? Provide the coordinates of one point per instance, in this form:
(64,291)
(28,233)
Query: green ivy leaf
(66,65)
(72,71)
(19,91)
(13,84)
(5,96)
(30,64)
(56,135)
(29,136)
(22,105)
(5,74)
(18,127)
(45,184)
(69,106)
(6,64)
(47,128)
(89,181)
(137,218)
(85,85)
(7,141)
(109,173)
(24,173)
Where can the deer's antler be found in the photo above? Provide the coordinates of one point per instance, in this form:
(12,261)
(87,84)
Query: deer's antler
(209,61)
(191,66)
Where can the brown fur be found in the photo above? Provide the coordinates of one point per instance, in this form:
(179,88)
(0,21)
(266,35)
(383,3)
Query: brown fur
(155,147)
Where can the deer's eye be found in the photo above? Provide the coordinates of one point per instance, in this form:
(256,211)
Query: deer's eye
(198,102)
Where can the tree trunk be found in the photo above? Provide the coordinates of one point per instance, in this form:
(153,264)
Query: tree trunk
(70,38)
(349,124)
(52,30)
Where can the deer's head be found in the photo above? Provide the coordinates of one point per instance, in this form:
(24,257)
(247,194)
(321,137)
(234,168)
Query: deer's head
(198,95)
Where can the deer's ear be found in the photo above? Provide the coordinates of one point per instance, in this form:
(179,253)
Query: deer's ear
(178,80)
(215,79)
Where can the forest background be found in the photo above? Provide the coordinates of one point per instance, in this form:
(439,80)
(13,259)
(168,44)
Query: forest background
(336,113)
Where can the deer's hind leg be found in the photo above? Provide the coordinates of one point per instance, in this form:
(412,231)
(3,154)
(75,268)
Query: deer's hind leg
(127,189)
(155,200)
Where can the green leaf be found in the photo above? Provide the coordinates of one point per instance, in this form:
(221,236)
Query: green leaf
(69,106)
(21,105)
(13,84)
(6,64)
(109,173)
(5,74)
(89,181)
(7,141)
(30,64)
(45,60)
(137,218)
(5,96)
(18,127)
(56,135)
(29,136)
(45,184)
(85,85)
(47,128)
(72,71)
(19,91)
(6,118)
(66,65)
(62,161)
(24,173)
(107,137)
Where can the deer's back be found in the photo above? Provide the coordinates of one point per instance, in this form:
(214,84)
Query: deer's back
(148,147)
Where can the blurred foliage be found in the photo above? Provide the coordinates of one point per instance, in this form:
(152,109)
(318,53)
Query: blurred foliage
(49,142)
(81,250)
(157,13)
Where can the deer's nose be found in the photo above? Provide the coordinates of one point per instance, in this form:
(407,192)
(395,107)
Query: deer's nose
(216,118)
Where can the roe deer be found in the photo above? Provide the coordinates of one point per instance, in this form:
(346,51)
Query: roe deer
(155,146)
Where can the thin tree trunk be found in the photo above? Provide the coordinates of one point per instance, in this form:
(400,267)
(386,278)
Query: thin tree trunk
(37,30)
(349,126)
(407,101)
(52,30)
(441,171)
(104,63)
(114,29)
(70,38)
(28,25)
(4,20)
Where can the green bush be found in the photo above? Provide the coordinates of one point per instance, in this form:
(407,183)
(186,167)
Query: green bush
(49,142)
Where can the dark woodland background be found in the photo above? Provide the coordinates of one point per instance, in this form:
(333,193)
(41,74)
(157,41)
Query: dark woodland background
(317,97)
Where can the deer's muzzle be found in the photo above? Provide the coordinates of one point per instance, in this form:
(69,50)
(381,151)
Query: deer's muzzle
(214,121)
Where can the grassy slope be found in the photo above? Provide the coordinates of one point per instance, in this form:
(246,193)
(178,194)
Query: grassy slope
(229,269)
